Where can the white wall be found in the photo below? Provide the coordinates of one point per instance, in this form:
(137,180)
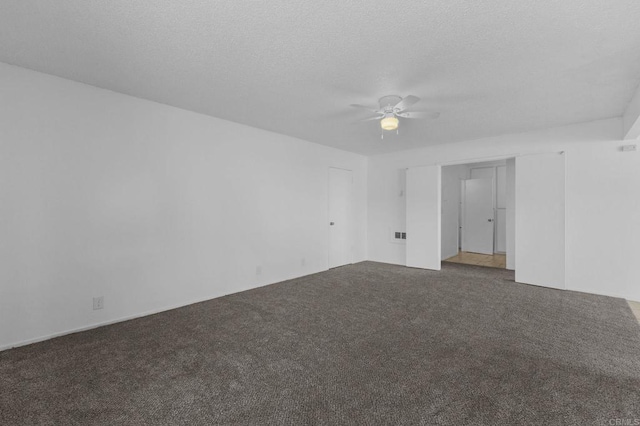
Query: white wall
(424,230)
(541,219)
(451,189)
(603,205)
(510,203)
(150,206)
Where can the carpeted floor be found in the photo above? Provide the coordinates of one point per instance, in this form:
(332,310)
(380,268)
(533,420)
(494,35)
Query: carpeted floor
(363,344)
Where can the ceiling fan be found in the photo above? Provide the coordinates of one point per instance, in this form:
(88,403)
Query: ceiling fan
(392,108)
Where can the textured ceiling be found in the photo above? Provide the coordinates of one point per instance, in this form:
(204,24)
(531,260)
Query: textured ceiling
(490,67)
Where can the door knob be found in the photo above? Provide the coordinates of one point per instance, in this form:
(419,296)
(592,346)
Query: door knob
(332,223)
(490,220)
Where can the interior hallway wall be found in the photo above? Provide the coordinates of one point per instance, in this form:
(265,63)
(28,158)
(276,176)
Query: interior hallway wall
(511,213)
(452,177)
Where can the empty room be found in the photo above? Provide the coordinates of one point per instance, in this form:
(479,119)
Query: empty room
(332,213)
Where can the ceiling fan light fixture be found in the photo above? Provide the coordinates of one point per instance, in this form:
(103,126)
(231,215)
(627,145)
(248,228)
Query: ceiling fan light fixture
(389,122)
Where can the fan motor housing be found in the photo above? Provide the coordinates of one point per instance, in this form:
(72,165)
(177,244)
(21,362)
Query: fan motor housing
(389,101)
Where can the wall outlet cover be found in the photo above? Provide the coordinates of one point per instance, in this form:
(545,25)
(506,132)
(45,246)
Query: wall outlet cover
(98,303)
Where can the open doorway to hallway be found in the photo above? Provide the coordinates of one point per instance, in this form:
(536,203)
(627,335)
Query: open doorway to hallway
(475,199)
(498,260)
(535,218)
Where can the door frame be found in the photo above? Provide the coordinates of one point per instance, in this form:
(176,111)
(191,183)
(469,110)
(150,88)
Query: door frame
(496,206)
(507,157)
(479,160)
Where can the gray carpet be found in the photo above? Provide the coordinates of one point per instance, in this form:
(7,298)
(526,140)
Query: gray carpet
(363,344)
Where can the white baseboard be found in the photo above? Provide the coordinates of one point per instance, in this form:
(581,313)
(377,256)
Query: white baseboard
(180,305)
(103,323)
(138,315)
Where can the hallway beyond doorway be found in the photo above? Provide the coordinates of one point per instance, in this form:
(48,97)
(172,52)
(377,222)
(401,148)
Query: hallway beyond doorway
(468,258)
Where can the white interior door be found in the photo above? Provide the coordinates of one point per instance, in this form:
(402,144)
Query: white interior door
(423,194)
(477,228)
(540,220)
(340,223)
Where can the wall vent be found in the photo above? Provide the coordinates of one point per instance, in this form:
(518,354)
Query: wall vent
(399,235)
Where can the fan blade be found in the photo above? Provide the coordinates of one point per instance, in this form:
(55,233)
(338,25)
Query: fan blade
(406,102)
(365,107)
(431,115)
(378,117)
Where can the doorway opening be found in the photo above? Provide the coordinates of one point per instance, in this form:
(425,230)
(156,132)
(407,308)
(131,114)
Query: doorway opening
(478,214)
(535,222)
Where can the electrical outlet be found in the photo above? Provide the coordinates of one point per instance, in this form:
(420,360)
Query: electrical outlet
(98,303)
(258,270)
(303,261)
